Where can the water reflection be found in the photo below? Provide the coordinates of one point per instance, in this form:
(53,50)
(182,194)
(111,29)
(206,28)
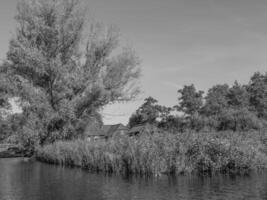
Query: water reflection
(21,180)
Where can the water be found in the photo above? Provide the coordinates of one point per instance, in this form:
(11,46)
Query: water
(24,180)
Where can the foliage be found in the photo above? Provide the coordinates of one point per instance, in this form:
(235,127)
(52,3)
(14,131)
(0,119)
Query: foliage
(10,126)
(174,124)
(63,73)
(236,108)
(190,100)
(167,153)
(4,96)
(4,132)
(216,100)
(149,112)
(257,89)
(238,120)
(238,96)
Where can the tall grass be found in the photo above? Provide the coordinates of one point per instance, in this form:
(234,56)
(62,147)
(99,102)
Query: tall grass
(226,152)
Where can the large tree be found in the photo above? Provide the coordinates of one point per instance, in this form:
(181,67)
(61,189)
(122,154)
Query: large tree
(216,100)
(238,96)
(65,70)
(257,90)
(149,112)
(190,100)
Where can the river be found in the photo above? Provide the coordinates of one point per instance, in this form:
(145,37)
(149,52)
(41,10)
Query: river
(29,180)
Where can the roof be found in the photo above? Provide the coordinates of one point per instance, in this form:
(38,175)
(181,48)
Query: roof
(149,128)
(95,133)
(109,130)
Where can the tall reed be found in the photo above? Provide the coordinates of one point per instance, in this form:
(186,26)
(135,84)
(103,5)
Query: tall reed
(226,152)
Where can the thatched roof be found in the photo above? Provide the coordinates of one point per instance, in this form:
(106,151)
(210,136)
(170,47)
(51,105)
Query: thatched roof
(95,133)
(143,128)
(109,130)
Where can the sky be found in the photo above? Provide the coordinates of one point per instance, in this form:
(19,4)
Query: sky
(179,42)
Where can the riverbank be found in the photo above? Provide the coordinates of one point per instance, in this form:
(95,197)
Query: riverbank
(10,151)
(227,152)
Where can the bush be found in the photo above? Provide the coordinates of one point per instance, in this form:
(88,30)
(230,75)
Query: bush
(238,120)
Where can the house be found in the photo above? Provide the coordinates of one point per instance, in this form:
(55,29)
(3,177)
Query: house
(94,136)
(143,128)
(113,130)
(107,131)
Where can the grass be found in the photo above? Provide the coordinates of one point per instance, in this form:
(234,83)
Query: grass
(226,152)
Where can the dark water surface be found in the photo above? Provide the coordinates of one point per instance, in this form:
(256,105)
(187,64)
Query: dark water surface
(24,180)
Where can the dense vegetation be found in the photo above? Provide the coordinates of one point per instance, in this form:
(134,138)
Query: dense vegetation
(224,152)
(9,127)
(63,70)
(235,108)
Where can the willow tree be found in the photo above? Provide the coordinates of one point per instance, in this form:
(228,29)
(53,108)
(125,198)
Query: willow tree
(64,70)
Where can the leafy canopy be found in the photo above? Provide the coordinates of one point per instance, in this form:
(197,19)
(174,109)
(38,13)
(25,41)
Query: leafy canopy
(64,69)
(190,100)
(149,112)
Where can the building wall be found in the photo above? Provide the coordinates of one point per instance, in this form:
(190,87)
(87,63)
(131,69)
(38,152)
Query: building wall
(95,138)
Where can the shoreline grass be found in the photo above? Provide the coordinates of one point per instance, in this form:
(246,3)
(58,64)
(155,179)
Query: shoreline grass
(183,153)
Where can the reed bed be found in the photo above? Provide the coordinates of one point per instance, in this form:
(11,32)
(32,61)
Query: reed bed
(226,152)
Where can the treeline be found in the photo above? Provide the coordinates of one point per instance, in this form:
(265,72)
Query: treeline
(236,108)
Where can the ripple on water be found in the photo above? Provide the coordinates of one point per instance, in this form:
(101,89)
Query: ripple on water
(23,180)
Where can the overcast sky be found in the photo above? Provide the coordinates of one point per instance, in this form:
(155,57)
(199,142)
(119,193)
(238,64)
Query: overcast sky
(180,42)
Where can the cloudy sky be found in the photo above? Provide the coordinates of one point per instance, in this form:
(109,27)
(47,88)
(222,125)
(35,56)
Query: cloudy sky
(180,42)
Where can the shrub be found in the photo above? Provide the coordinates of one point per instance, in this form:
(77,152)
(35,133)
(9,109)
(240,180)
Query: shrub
(238,120)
